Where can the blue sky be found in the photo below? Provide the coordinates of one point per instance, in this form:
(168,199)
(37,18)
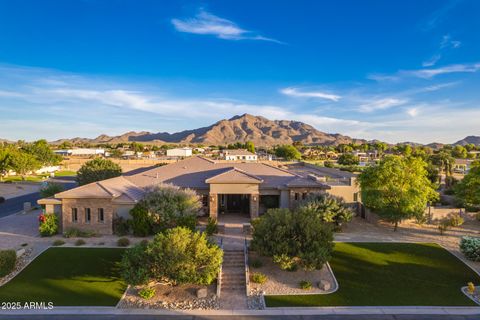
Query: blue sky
(389,70)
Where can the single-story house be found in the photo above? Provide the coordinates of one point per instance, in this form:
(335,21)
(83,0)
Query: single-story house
(247,188)
(239,155)
(179,152)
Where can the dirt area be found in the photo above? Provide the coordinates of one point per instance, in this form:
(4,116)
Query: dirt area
(287,282)
(12,190)
(172,297)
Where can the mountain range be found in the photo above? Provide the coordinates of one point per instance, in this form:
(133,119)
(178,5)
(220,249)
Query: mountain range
(261,131)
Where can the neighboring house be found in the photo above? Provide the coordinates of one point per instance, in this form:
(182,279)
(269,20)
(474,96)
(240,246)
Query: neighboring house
(462,165)
(80,152)
(179,152)
(247,188)
(239,155)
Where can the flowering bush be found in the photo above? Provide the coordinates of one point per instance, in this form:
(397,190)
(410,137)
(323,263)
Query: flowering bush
(470,247)
(48,224)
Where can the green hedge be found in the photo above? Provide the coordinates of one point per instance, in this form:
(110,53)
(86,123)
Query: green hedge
(7,261)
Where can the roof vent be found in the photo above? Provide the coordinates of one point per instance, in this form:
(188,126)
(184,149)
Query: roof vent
(316,178)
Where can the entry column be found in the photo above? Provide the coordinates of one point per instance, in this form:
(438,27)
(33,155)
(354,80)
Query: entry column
(213,205)
(254,205)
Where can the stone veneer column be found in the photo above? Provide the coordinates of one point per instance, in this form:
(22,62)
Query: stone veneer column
(213,205)
(254,205)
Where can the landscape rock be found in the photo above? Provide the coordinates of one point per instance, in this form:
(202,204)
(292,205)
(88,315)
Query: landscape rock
(324,285)
(202,293)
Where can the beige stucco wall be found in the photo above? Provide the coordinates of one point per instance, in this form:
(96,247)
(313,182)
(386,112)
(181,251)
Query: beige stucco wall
(346,192)
(237,188)
(95,226)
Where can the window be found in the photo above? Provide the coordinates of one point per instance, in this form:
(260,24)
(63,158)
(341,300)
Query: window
(304,196)
(88,215)
(101,216)
(355,197)
(74,215)
(205,200)
(297,195)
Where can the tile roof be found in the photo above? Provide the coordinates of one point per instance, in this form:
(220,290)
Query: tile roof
(195,172)
(234,175)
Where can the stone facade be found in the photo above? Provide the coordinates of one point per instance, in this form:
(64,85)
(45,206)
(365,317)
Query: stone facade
(99,227)
(254,205)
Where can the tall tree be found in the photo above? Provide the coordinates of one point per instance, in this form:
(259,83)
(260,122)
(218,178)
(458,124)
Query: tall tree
(42,153)
(250,146)
(288,152)
(22,163)
(397,189)
(5,161)
(467,191)
(96,170)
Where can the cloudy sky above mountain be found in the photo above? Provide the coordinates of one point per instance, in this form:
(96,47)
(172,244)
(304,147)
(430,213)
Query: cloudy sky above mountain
(391,70)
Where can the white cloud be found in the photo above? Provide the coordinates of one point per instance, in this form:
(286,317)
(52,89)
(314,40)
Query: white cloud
(381,104)
(293,92)
(432,61)
(447,42)
(455,68)
(205,23)
(382,77)
(412,112)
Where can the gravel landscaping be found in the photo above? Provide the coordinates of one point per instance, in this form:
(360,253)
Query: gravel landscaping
(181,297)
(287,282)
(21,262)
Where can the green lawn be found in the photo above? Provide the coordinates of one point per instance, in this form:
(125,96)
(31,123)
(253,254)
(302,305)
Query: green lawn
(390,274)
(27,178)
(65,173)
(69,277)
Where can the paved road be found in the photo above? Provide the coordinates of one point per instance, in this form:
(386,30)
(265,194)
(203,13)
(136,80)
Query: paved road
(14,205)
(188,317)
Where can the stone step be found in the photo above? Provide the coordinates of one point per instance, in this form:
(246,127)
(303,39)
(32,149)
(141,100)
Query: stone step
(233,289)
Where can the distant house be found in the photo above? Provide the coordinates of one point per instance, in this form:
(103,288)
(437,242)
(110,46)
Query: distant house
(462,165)
(80,152)
(179,152)
(239,155)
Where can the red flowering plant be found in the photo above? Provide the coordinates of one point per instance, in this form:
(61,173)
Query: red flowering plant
(41,218)
(48,224)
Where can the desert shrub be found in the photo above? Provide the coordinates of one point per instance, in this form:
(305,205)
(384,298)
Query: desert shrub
(24,244)
(8,258)
(144,242)
(123,242)
(50,189)
(470,247)
(456,220)
(256,263)
(212,226)
(328,208)
(328,164)
(79,242)
(305,285)
(179,255)
(284,261)
(147,293)
(471,288)
(48,224)
(165,207)
(77,233)
(121,227)
(258,277)
(294,236)
(58,242)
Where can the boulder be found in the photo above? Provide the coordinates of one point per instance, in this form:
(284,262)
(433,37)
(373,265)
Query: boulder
(202,293)
(20,253)
(324,285)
